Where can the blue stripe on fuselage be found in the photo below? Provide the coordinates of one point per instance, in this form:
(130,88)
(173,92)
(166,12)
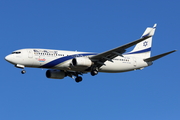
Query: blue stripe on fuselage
(141,51)
(63,59)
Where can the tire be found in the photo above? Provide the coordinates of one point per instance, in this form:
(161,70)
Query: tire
(94,72)
(23,71)
(78,79)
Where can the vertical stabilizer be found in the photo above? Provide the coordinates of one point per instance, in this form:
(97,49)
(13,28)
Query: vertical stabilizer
(143,49)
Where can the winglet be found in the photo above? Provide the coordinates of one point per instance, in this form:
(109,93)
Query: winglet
(149,32)
(155,25)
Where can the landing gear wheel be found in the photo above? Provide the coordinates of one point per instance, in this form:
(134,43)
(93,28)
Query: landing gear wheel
(94,72)
(23,71)
(78,79)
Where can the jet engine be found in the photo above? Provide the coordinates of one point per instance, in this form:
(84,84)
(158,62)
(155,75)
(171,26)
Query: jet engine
(55,74)
(81,62)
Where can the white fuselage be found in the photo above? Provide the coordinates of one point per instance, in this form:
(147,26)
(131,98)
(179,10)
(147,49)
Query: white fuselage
(73,64)
(58,59)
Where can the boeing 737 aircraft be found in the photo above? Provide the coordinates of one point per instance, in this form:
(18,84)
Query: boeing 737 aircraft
(62,63)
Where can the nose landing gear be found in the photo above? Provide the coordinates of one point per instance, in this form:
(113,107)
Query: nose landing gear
(22,67)
(23,71)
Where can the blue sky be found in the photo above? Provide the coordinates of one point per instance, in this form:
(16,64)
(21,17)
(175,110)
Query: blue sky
(94,26)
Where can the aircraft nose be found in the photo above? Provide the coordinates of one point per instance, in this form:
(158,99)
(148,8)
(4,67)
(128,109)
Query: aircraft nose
(8,58)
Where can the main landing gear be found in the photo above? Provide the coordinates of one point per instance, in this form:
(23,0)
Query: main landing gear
(78,79)
(76,74)
(94,72)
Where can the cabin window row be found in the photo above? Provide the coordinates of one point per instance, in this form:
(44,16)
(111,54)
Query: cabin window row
(49,54)
(122,59)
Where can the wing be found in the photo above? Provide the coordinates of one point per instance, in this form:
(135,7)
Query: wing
(99,59)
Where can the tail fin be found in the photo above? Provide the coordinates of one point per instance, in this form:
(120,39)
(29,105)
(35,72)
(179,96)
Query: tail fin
(143,49)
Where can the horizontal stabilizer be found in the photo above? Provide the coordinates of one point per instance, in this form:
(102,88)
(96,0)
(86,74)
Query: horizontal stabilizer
(158,56)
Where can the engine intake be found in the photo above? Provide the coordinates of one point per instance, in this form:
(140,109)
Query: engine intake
(55,74)
(81,62)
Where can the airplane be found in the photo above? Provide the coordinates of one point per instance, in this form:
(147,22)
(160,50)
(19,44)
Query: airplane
(61,63)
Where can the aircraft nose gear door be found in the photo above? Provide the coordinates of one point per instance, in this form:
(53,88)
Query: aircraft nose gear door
(30,54)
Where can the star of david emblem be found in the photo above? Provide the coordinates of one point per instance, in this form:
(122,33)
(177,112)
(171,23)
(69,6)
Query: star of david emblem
(145,43)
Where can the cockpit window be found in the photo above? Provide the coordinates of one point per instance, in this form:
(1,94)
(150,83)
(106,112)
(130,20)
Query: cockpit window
(16,52)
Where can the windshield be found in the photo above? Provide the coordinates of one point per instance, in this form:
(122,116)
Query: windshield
(16,52)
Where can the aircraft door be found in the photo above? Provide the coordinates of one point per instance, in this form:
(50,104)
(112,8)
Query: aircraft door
(29,58)
(30,54)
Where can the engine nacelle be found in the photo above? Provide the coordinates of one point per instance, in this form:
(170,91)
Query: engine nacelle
(55,74)
(81,62)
